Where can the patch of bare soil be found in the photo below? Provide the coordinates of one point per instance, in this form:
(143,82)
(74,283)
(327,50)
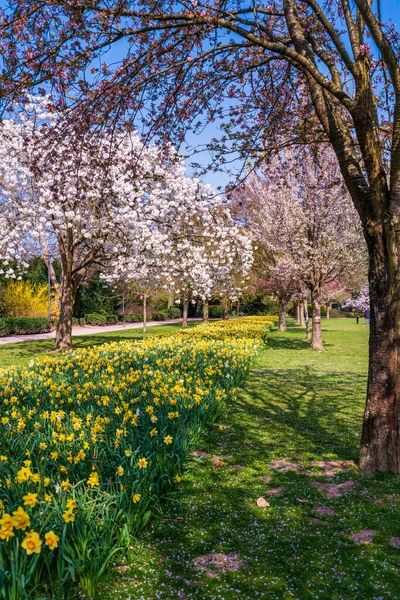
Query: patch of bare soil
(335,490)
(215,562)
(366,536)
(284,466)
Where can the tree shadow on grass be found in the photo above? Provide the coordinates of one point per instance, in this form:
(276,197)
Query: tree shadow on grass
(321,413)
(286,340)
(302,416)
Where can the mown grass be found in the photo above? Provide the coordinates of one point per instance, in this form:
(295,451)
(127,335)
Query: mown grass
(22,352)
(297,405)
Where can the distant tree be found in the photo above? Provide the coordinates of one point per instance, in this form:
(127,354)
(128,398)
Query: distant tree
(299,209)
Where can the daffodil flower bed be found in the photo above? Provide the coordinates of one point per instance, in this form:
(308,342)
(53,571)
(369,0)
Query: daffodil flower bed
(255,328)
(89,443)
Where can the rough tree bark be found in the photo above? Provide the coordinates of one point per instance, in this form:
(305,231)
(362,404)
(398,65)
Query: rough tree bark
(185,310)
(380,440)
(316,340)
(282,315)
(205,310)
(67,298)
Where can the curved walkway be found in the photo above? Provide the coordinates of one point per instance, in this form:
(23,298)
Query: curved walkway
(85,330)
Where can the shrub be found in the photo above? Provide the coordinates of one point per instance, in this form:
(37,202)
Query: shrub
(111,319)
(134,318)
(96,319)
(24,299)
(78,321)
(215,312)
(23,325)
(170,313)
(335,313)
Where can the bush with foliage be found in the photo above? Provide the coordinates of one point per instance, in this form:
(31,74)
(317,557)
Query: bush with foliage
(133,318)
(25,299)
(24,325)
(95,319)
(170,313)
(90,442)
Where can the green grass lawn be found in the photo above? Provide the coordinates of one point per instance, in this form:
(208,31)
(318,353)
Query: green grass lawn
(300,406)
(22,352)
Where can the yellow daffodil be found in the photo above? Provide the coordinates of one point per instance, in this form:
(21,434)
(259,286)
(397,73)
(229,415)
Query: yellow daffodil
(142,462)
(68,516)
(32,543)
(51,540)
(21,519)
(136,498)
(93,479)
(30,499)
(168,439)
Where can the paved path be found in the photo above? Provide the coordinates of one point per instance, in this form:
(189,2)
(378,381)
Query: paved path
(86,330)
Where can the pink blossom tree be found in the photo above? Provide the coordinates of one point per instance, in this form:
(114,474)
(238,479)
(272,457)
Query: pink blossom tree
(300,211)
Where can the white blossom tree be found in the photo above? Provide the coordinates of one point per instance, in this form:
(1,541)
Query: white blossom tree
(99,200)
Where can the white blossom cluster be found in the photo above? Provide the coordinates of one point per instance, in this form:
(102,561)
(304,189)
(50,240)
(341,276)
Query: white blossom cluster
(110,202)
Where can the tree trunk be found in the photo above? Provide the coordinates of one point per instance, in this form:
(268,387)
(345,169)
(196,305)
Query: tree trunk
(297,312)
(306,319)
(67,297)
(328,308)
(170,303)
(380,440)
(316,341)
(237,308)
(144,313)
(282,315)
(205,310)
(185,310)
(301,314)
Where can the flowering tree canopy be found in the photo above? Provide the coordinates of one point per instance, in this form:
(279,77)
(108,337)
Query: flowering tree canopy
(300,211)
(103,200)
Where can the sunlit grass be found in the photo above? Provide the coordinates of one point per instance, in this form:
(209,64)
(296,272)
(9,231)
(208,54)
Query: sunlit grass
(298,405)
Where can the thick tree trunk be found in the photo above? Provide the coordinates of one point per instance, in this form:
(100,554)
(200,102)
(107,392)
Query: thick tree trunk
(67,297)
(316,341)
(306,319)
(185,310)
(328,308)
(282,315)
(144,313)
(237,308)
(380,440)
(205,310)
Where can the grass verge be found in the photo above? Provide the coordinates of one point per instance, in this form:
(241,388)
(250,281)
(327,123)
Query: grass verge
(214,542)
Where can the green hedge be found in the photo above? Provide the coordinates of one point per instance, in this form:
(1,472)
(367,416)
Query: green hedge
(133,318)
(23,325)
(170,313)
(96,319)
